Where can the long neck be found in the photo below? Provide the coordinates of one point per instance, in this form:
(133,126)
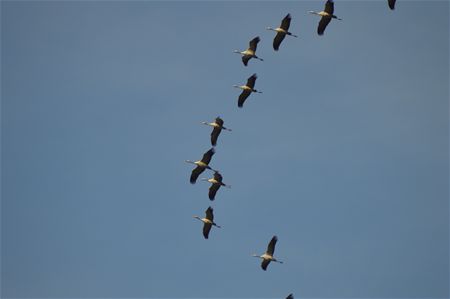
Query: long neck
(189,161)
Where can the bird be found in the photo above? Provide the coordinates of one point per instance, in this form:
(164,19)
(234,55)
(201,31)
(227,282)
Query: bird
(208,222)
(201,165)
(391,4)
(218,127)
(250,52)
(216,182)
(267,257)
(247,89)
(281,31)
(290,296)
(327,15)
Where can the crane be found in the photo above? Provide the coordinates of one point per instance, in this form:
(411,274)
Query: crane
(201,165)
(267,257)
(216,183)
(327,15)
(218,127)
(250,52)
(281,31)
(208,222)
(247,89)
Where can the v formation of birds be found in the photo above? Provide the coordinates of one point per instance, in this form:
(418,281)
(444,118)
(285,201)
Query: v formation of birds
(218,125)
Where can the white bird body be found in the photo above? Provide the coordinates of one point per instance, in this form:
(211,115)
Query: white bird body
(204,220)
(200,163)
(278,29)
(211,124)
(213,181)
(245,87)
(248,52)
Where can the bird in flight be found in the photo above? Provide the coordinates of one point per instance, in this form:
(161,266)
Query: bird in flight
(216,183)
(250,52)
(267,257)
(327,15)
(208,222)
(218,127)
(201,165)
(281,31)
(247,89)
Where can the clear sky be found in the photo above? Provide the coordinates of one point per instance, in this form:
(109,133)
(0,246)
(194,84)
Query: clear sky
(344,155)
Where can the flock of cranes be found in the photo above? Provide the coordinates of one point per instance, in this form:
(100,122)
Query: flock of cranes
(217,180)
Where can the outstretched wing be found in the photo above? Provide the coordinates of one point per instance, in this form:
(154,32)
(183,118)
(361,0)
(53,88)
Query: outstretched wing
(324,21)
(254,43)
(208,155)
(218,176)
(290,296)
(277,40)
(329,7)
(242,97)
(391,4)
(264,264)
(286,22)
(251,81)
(214,135)
(213,190)
(209,214)
(219,121)
(195,173)
(271,247)
(245,59)
(206,229)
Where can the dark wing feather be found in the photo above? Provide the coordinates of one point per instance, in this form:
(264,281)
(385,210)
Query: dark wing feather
(208,155)
(219,121)
(324,21)
(245,59)
(271,247)
(214,135)
(218,176)
(242,97)
(329,7)
(206,229)
(277,40)
(286,22)
(264,264)
(251,81)
(254,43)
(209,214)
(290,296)
(391,4)
(213,190)
(195,173)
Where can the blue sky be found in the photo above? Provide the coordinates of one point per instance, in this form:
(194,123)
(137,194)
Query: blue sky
(344,155)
